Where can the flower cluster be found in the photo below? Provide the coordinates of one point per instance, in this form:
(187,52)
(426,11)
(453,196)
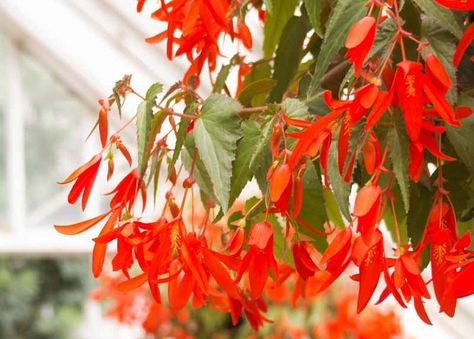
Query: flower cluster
(385,131)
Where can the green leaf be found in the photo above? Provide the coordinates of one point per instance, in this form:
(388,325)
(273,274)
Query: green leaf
(346,13)
(216,133)
(332,208)
(401,215)
(181,135)
(295,109)
(340,188)
(443,15)
(221,78)
(398,144)
(200,173)
(421,200)
(153,91)
(313,208)
(144,130)
(288,55)
(248,156)
(461,139)
(313,7)
(275,21)
(255,89)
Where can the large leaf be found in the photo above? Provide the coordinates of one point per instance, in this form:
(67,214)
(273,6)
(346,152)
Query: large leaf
(216,133)
(295,109)
(144,130)
(221,78)
(147,125)
(443,15)
(275,22)
(400,214)
(314,8)
(248,156)
(200,173)
(332,208)
(421,200)
(181,135)
(288,55)
(398,143)
(340,188)
(346,13)
(255,89)
(461,139)
(313,210)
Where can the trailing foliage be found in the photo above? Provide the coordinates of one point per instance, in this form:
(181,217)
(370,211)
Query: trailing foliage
(351,96)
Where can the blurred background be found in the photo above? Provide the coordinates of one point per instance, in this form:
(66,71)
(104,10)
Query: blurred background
(57,58)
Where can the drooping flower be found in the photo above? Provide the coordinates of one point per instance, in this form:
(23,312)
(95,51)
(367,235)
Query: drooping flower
(359,41)
(371,262)
(85,177)
(366,209)
(463,45)
(305,266)
(259,260)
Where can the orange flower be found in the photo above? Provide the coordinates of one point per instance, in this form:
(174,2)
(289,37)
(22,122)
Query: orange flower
(259,259)
(85,177)
(359,41)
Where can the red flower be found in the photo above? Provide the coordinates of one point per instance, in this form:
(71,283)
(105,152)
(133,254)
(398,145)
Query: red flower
(259,260)
(366,209)
(463,45)
(372,153)
(413,89)
(359,41)
(370,259)
(85,177)
(126,191)
(303,262)
(462,5)
(442,234)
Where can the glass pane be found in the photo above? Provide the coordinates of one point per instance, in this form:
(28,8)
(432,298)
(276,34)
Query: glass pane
(54,140)
(3,207)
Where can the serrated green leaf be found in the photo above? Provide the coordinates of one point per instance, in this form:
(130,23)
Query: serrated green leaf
(295,109)
(313,210)
(332,208)
(144,129)
(313,7)
(398,144)
(216,133)
(181,135)
(249,150)
(421,200)
(254,89)
(275,21)
(200,173)
(153,91)
(346,13)
(443,15)
(221,78)
(461,139)
(288,55)
(401,215)
(340,188)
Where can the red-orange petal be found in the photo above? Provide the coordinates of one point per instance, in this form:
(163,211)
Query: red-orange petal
(279,181)
(359,31)
(366,198)
(80,226)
